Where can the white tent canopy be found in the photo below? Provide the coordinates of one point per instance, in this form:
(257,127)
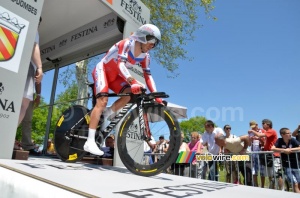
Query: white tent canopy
(73,30)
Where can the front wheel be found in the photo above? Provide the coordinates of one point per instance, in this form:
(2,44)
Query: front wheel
(131,145)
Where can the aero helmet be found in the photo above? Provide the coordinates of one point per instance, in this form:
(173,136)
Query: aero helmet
(147,32)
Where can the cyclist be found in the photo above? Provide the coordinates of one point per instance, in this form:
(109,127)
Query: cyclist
(112,73)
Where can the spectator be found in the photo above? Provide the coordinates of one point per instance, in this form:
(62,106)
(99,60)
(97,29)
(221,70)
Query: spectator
(286,145)
(110,141)
(109,148)
(149,146)
(230,167)
(26,141)
(270,139)
(208,139)
(161,148)
(193,146)
(34,76)
(296,133)
(182,168)
(203,164)
(50,147)
(236,145)
(256,145)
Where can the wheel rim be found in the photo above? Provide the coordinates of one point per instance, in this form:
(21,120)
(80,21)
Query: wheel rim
(131,146)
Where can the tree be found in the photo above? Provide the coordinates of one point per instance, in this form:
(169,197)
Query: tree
(81,76)
(177,21)
(67,98)
(193,124)
(39,121)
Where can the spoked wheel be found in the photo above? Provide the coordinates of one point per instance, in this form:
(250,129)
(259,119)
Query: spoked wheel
(69,143)
(131,145)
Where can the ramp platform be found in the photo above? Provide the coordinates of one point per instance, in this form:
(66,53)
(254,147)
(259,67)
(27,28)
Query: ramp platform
(48,177)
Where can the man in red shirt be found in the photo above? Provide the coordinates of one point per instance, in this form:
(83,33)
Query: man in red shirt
(270,139)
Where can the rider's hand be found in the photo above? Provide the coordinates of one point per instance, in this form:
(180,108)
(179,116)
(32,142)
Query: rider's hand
(136,88)
(159,100)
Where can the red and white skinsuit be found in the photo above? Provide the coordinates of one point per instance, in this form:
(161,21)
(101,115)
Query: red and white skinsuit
(112,73)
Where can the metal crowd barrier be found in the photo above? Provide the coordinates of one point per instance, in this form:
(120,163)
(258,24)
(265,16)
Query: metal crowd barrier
(183,167)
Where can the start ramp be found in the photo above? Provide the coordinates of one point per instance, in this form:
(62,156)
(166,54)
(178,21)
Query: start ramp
(44,177)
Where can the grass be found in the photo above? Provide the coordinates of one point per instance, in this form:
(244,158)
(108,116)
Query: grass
(222,178)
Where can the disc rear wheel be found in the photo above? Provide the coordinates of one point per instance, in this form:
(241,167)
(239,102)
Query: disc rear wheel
(69,143)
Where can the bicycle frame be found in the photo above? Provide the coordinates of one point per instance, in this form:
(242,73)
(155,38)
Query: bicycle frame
(140,101)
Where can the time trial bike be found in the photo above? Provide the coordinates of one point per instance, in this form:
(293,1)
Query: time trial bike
(142,119)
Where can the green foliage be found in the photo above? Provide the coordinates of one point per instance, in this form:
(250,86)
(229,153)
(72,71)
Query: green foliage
(39,121)
(193,124)
(67,98)
(40,114)
(177,21)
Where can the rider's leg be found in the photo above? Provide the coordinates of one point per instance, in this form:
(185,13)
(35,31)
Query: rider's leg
(117,105)
(90,145)
(100,87)
(122,101)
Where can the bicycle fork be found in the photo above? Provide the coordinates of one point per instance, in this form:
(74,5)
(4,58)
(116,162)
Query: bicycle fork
(144,124)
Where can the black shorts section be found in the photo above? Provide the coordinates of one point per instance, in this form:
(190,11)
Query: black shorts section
(123,88)
(101,95)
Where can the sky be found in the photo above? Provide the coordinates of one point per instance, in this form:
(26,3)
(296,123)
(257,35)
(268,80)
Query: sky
(245,63)
(246,66)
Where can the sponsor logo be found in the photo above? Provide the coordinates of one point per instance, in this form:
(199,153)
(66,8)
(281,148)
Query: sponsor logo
(133,9)
(5,105)
(109,23)
(1,88)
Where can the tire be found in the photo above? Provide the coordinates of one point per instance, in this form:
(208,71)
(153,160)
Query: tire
(131,146)
(70,149)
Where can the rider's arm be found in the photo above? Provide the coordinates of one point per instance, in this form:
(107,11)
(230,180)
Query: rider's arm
(123,48)
(147,74)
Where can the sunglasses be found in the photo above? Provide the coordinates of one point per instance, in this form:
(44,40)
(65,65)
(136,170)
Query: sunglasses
(228,128)
(152,40)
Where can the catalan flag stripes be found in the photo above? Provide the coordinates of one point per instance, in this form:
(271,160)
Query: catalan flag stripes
(185,157)
(8,42)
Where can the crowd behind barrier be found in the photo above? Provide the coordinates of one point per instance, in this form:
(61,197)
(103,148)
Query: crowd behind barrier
(245,169)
